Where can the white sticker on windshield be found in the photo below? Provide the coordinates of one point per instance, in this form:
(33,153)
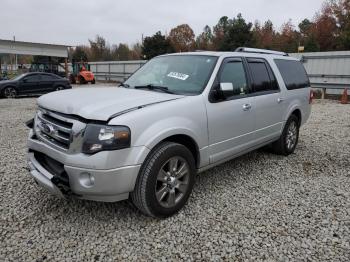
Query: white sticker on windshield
(178,75)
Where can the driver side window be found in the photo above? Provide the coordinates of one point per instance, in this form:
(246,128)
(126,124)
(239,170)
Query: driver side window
(32,78)
(233,73)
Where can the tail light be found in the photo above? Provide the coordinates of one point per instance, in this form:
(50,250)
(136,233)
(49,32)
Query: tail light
(311,97)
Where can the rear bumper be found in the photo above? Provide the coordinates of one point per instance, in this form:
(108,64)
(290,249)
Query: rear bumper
(107,185)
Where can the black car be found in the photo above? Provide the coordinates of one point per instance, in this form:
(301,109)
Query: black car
(32,84)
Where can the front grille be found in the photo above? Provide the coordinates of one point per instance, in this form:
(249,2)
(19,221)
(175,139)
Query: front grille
(54,129)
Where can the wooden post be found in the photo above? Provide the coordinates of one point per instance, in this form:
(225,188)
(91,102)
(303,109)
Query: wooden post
(66,67)
(323,93)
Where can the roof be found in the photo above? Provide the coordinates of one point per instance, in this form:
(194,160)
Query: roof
(230,54)
(29,48)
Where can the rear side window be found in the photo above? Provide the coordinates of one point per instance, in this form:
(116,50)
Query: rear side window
(262,77)
(47,78)
(293,74)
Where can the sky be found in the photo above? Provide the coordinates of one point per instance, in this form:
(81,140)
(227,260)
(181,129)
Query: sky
(73,22)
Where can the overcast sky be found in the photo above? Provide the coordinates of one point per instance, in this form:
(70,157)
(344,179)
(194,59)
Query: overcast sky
(73,22)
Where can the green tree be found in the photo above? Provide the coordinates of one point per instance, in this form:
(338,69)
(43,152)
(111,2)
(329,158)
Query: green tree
(123,52)
(239,33)
(156,45)
(205,40)
(80,54)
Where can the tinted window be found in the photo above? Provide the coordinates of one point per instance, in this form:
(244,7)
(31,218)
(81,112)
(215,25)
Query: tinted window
(293,74)
(262,80)
(233,72)
(47,78)
(32,78)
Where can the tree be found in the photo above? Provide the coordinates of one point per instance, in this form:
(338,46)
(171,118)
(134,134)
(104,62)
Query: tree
(288,39)
(205,40)
(325,28)
(136,52)
(305,27)
(182,38)
(238,34)
(123,52)
(156,45)
(220,31)
(340,10)
(80,54)
(99,49)
(264,35)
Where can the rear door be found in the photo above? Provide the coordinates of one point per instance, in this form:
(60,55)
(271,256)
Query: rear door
(268,101)
(46,83)
(29,84)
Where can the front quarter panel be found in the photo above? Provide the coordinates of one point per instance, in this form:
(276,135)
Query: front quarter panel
(152,124)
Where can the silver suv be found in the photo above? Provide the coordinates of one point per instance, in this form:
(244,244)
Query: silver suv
(177,116)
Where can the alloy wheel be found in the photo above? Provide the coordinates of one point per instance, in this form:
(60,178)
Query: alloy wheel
(292,134)
(172,182)
(10,92)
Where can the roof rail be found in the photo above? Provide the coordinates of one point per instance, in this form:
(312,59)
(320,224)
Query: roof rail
(260,51)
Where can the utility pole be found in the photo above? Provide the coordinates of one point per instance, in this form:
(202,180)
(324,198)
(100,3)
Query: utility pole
(14,42)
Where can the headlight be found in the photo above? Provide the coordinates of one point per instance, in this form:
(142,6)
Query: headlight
(105,138)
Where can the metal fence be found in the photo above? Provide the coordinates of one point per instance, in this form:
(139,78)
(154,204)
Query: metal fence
(115,70)
(327,70)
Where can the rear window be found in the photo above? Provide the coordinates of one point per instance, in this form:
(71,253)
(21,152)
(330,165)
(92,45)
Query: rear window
(293,74)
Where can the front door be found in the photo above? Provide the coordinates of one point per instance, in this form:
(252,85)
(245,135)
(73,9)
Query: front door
(231,118)
(29,84)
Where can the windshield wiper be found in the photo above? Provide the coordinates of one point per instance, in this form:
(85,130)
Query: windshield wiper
(155,87)
(124,85)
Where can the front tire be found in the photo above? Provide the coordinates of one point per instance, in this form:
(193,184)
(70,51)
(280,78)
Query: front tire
(165,180)
(10,92)
(288,141)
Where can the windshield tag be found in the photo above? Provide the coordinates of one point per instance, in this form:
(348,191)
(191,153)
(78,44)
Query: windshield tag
(178,75)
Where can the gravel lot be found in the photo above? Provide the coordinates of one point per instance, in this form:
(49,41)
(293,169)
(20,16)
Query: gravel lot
(258,207)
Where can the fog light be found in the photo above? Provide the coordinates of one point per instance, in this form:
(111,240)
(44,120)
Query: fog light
(86,179)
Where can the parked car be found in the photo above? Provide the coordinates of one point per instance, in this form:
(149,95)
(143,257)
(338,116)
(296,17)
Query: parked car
(178,115)
(32,84)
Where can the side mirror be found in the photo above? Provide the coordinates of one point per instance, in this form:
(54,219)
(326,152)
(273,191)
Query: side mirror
(226,87)
(25,80)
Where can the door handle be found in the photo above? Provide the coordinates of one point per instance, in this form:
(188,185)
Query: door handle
(280,100)
(247,107)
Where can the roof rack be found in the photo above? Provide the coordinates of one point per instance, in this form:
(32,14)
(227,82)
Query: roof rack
(260,51)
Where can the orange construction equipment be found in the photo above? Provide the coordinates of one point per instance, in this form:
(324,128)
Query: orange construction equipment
(81,73)
(344,97)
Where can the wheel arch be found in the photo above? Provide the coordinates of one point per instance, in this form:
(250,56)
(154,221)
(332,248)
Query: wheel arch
(186,141)
(297,113)
(3,89)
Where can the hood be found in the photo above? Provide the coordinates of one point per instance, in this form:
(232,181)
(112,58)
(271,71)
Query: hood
(101,103)
(4,82)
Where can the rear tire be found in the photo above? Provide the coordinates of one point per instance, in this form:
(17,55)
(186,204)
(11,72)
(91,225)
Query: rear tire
(9,92)
(288,141)
(165,180)
(82,80)
(93,81)
(72,79)
(59,88)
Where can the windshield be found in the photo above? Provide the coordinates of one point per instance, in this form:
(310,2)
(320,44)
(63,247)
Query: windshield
(180,74)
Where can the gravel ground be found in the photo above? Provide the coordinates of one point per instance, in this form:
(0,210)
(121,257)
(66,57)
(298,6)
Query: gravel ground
(257,207)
